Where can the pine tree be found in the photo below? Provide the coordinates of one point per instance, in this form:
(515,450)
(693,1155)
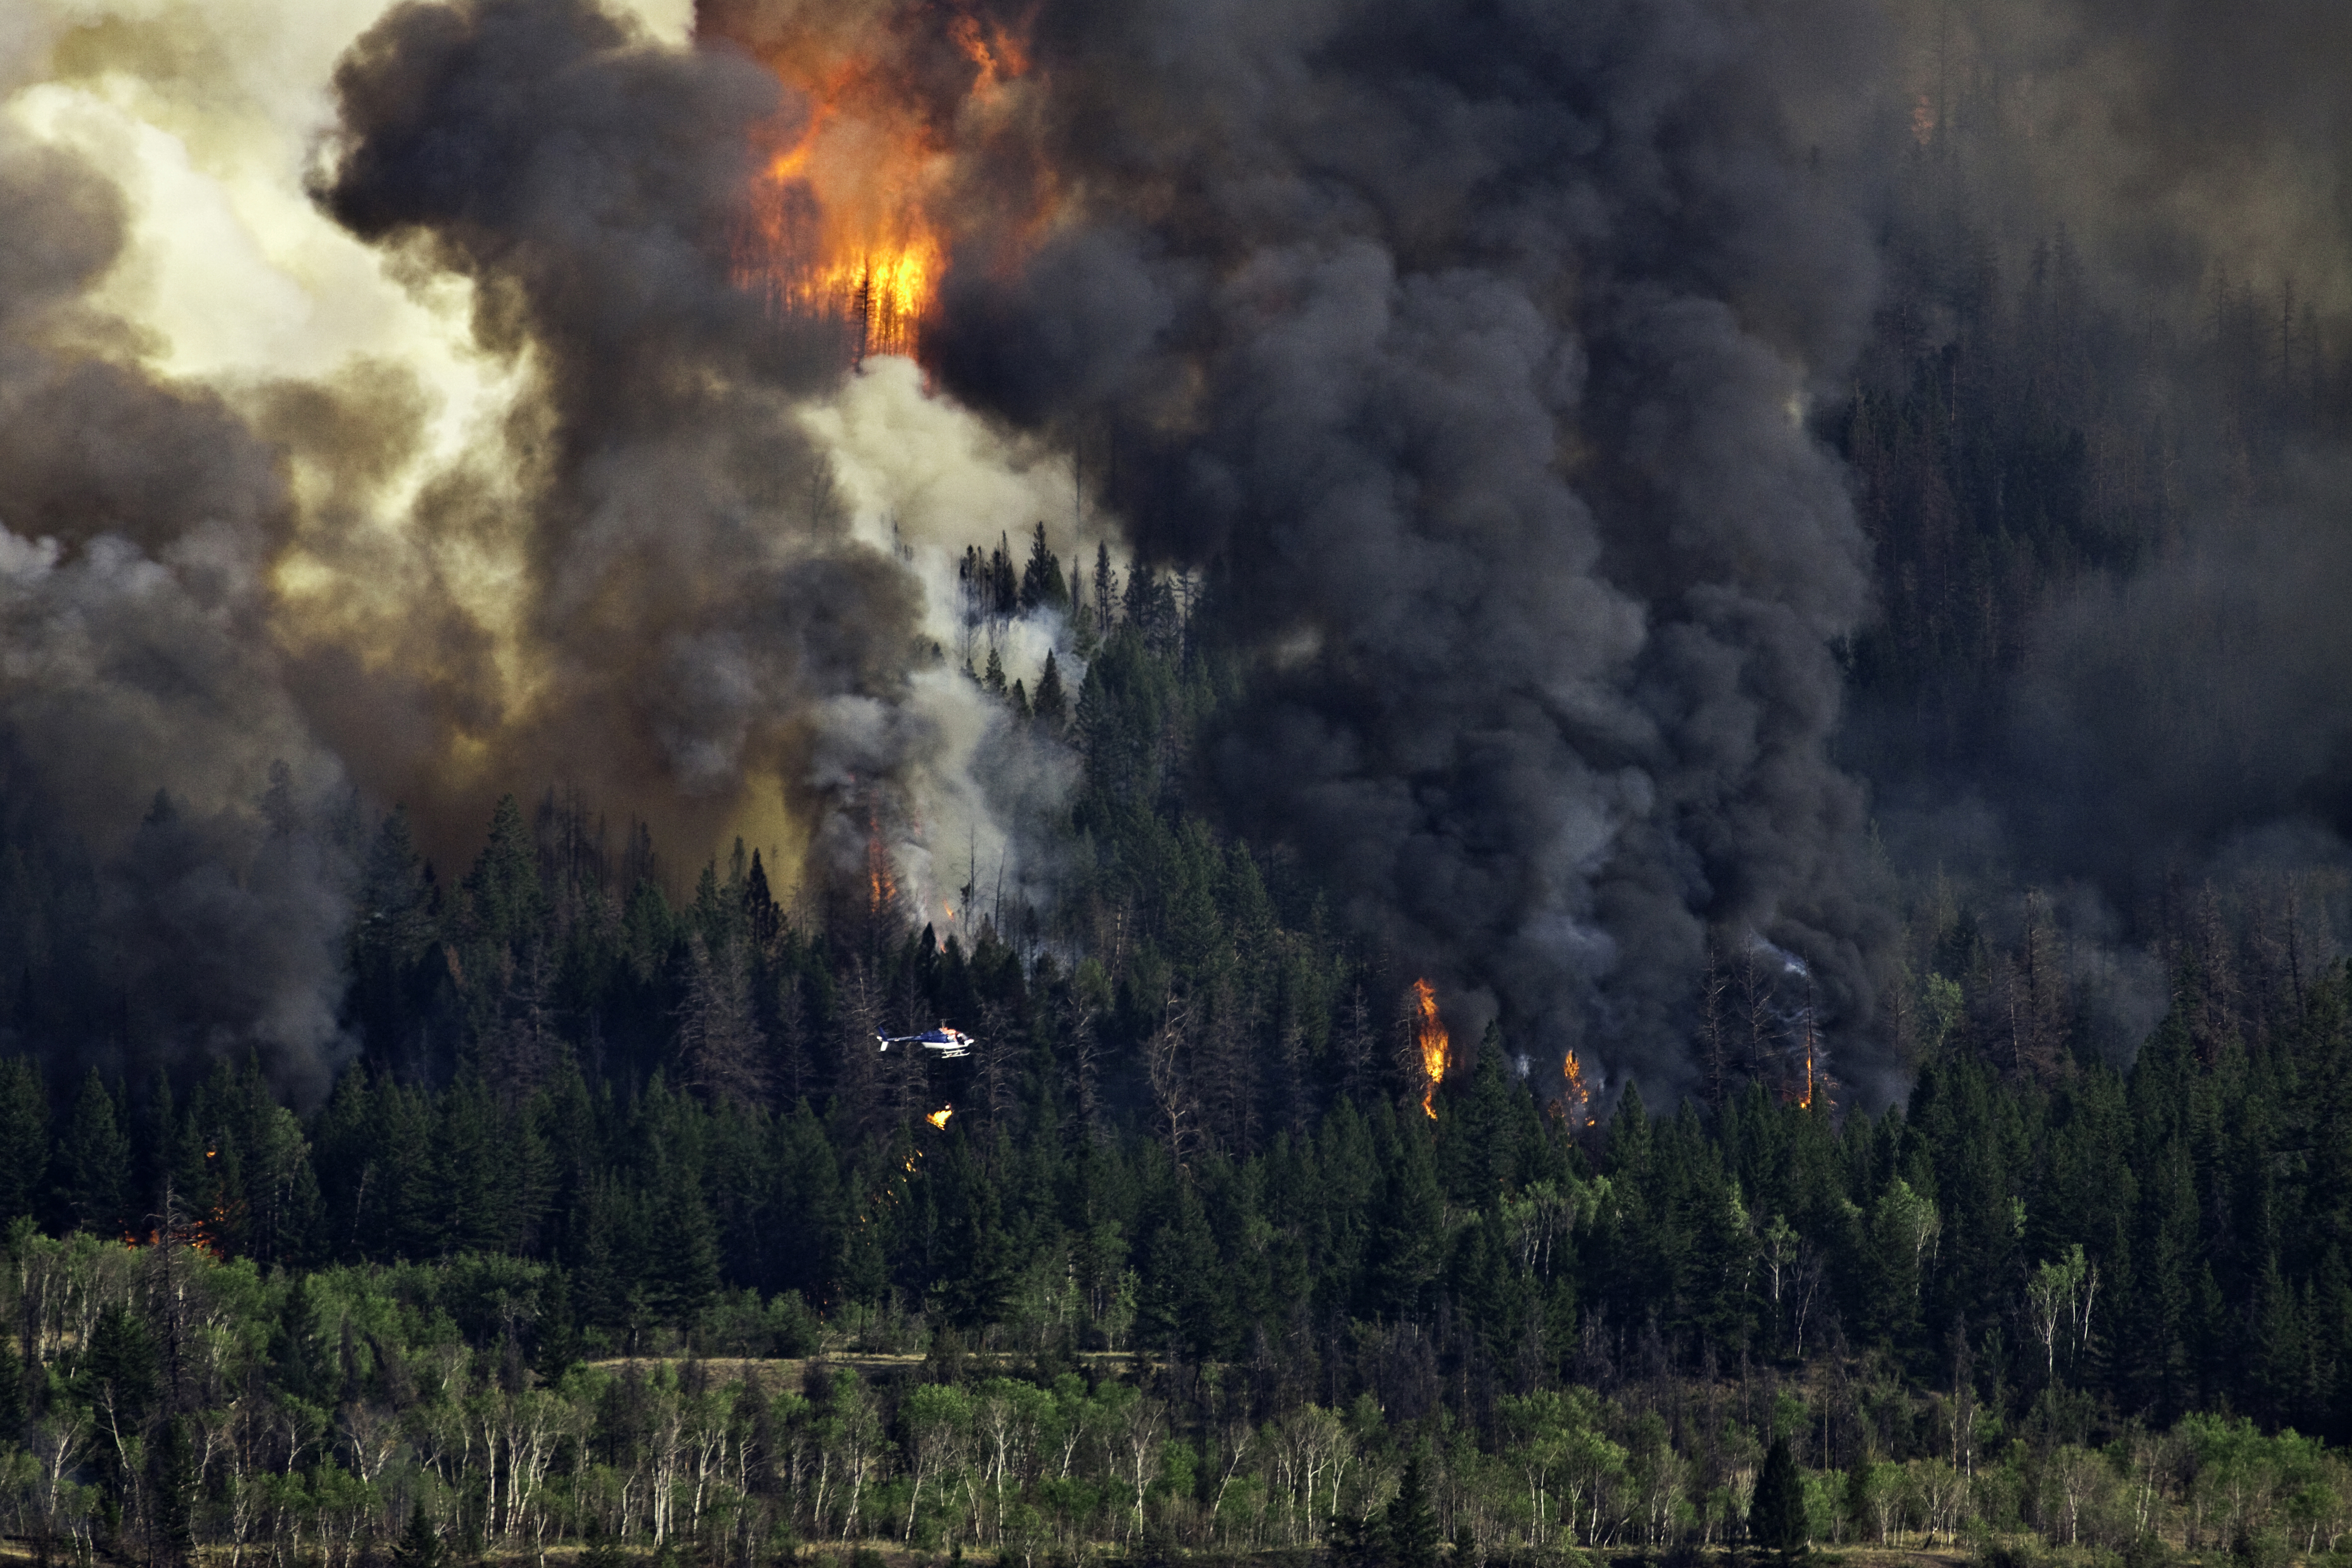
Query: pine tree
(508,902)
(24,1137)
(172,1483)
(1413,1523)
(1776,1517)
(1051,703)
(1105,589)
(762,918)
(1186,1297)
(1041,579)
(93,1162)
(685,1262)
(419,1545)
(1409,1236)
(393,929)
(719,1034)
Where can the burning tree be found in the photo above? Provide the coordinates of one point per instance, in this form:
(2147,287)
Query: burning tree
(1430,1044)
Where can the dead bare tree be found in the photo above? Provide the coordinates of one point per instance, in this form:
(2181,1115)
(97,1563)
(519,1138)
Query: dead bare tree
(718,1034)
(1166,1062)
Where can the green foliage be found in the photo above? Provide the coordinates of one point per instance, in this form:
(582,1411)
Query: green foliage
(1192,1131)
(419,1545)
(1776,1517)
(24,1137)
(1412,1533)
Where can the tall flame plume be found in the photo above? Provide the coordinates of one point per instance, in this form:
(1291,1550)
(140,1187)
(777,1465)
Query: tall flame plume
(1577,1101)
(844,226)
(1436,1045)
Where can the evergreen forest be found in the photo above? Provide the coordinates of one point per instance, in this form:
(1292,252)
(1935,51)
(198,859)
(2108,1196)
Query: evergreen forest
(616,1235)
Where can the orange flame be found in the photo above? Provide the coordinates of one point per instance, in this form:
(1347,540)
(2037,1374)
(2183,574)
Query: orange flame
(1577,1100)
(1429,1033)
(843,227)
(940,1118)
(1811,1043)
(881,886)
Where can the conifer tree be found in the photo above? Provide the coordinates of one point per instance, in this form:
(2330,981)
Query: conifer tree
(1041,579)
(24,1136)
(1051,703)
(599,1550)
(1776,1517)
(503,886)
(419,1545)
(1105,589)
(93,1161)
(761,917)
(1413,1523)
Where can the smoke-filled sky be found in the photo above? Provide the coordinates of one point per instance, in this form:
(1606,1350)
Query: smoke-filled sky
(382,395)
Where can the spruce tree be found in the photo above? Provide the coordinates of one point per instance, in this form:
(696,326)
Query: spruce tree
(172,1485)
(598,1550)
(1775,1519)
(24,1136)
(506,898)
(1106,590)
(1051,703)
(1041,579)
(1413,1523)
(761,917)
(419,1545)
(93,1159)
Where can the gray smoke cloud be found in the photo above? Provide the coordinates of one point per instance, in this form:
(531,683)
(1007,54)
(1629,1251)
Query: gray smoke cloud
(1472,347)
(2138,219)
(137,521)
(692,595)
(244,612)
(1479,355)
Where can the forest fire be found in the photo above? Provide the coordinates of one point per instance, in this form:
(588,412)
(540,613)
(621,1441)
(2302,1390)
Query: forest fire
(1805,1100)
(1809,1044)
(1576,1102)
(1429,1033)
(844,227)
(939,1118)
(881,883)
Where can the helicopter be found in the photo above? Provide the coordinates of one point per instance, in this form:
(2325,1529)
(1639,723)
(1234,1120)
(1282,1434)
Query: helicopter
(943,1042)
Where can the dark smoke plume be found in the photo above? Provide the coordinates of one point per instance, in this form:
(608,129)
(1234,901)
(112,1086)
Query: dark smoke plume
(1492,362)
(692,635)
(1475,350)
(1467,347)
(700,621)
(138,522)
(2122,234)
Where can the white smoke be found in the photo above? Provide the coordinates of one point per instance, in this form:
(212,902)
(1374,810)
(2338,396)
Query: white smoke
(289,467)
(924,480)
(209,117)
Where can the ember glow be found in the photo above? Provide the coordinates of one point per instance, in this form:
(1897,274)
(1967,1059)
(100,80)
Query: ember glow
(1429,1033)
(940,1118)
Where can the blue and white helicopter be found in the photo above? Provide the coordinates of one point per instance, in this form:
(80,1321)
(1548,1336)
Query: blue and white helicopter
(943,1042)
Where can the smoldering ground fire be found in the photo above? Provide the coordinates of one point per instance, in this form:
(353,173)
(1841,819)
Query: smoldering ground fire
(1472,358)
